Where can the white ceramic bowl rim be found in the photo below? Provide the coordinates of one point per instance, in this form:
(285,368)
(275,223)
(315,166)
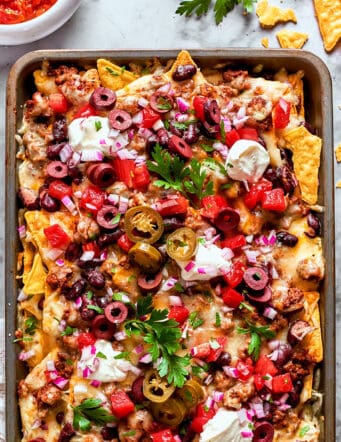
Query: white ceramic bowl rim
(38,27)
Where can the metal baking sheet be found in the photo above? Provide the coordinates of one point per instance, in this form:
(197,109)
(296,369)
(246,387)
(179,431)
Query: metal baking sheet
(318,105)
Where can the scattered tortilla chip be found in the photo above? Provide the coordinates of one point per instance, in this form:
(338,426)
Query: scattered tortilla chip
(338,153)
(184,58)
(45,83)
(113,76)
(265,42)
(35,281)
(269,16)
(291,39)
(328,14)
(338,184)
(313,340)
(306,149)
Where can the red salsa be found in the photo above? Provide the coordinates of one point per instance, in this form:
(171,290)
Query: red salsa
(18,11)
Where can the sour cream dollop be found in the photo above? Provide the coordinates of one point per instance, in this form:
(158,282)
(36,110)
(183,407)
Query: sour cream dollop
(247,161)
(224,427)
(104,368)
(208,262)
(90,133)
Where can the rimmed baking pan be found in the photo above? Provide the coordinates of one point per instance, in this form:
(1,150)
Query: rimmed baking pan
(318,105)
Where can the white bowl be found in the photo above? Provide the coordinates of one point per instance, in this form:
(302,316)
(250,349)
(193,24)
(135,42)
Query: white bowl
(40,26)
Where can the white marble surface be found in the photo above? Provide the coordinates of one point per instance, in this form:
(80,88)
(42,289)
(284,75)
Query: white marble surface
(153,24)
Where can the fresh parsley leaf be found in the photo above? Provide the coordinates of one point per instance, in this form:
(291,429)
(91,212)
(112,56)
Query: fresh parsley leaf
(101,355)
(217,320)
(247,306)
(98,125)
(129,433)
(88,411)
(207,147)
(226,186)
(256,333)
(31,325)
(221,7)
(304,430)
(116,219)
(213,164)
(162,336)
(194,320)
(68,331)
(222,131)
(111,71)
(178,287)
(23,339)
(123,355)
(195,178)
(89,294)
(96,308)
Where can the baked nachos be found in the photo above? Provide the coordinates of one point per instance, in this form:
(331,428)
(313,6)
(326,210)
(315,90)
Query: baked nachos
(171,255)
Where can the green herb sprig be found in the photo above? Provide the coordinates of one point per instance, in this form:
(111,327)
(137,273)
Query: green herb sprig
(162,336)
(256,332)
(88,411)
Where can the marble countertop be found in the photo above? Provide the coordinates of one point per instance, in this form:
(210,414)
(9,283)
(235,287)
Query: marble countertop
(153,24)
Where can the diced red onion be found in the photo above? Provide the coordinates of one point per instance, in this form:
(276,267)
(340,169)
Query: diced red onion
(140,160)
(270,312)
(125,154)
(218,396)
(25,355)
(284,407)
(146,359)
(62,325)
(92,155)
(135,370)
(209,402)
(259,410)
(22,231)
(142,102)
(181,118)
(246,433)
(227,253)
(60,382)
(226,309)
(54,253)
(189,266)
(22,296)
(80,388)
(268,382)
(78,303)
(242,416)
(88,255)
(246,185)
(93,349)
(249,239)
(76,157)
(120,336)
(283,398)
(86,372)
(218,289)
(113,133)
(131,134)
(175,300)
(95,383)
(272,238)
(238,123)
(241,112)
(273,272)
(227,124)
(185,330)
(65,153)
(232,372)
(208,380)
(183,105)
(103,256)
(176,438)
(60,262)
(138,349)
(169,284)
(36,424)
(123,204)
(113,198)
(251,256)
(69,204)
(165,88)
(138,118)
(274,344)
(194,351)
(144,133)
(221,148)
(209,233)
(158,125)
(250,414)
(50,365)
(201,270)
(77,194)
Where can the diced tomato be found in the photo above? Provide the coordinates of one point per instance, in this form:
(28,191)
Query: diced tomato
(141,177)
(231,137)
(121,404)
(234,242)
(259,381)
(201,351)
(212,206)
(124,170)
(56,236)
(163,436)
(248,133)
(235,276)
(202,416)
(198,104)
(231,297)
(149,117)
(85,111)
(274,200)
(85,339)
(264,366)
(58,102)
(125,243)
(50,375)
(216,352)
(58,189)
(178,312)
(256,192)
(245,369)
(176,205)
(281,114)
(91,247)
(92,199)
(282,383)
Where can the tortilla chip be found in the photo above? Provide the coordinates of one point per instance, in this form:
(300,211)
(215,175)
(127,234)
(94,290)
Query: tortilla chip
(338,153)
(265,42)
(313,340)
(28,257)
(307,387)
(184,58)
(328,14)
(35,281)
(113,76)
(306,149)
(269,16)
(338,184)
(45,83)
(291,39)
